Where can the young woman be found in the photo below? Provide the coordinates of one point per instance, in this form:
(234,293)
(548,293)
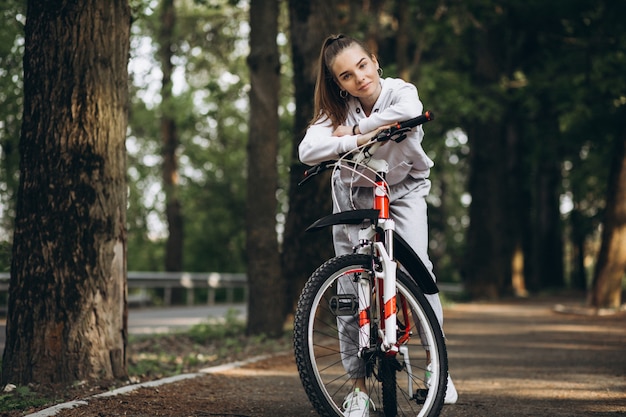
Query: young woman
(352,104)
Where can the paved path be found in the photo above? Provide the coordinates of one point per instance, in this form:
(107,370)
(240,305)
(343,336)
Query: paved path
(510,359)
(164,319)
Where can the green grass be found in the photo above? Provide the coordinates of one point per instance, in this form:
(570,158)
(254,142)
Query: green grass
(21,398)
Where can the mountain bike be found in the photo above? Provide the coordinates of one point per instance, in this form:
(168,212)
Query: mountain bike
(367,309)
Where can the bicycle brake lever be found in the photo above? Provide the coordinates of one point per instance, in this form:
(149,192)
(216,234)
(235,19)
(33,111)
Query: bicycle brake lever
(400,134)
(394,134)
(316,170)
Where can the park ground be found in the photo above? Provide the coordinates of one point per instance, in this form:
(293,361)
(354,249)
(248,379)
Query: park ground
(546,356)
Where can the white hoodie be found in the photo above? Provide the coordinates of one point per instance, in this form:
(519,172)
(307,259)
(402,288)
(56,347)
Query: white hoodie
(398,101)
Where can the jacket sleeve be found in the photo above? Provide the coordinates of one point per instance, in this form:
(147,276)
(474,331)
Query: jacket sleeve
(404,105)
(319,145)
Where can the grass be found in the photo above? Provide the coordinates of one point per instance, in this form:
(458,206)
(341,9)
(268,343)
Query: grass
(158,356)
(21,398)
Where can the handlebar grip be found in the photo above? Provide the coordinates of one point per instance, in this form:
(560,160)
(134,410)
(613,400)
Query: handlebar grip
(416,121)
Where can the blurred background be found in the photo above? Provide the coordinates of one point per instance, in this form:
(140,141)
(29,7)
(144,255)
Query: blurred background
(528,141)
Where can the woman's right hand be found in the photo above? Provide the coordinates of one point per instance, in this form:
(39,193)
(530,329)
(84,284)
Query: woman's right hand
(366,137)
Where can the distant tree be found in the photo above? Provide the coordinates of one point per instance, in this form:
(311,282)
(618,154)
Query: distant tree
(169,139)
(67,315)
(611,266)
(264,278)
(310,23)
(209,107)
(606,87)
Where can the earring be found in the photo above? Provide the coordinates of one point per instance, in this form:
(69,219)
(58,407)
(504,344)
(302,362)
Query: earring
(343,94)
(380,71)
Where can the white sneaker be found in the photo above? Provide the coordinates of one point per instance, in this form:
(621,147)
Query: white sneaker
(357,404)
(451,394)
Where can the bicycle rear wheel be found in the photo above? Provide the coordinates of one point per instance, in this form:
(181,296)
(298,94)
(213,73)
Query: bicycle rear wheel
(326,344)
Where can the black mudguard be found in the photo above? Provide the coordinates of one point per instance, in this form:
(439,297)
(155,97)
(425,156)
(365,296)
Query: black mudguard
(345,217)
(404,254)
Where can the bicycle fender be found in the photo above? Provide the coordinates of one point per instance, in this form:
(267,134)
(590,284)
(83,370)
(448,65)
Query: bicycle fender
(345,217)
(402,251)
(414,265)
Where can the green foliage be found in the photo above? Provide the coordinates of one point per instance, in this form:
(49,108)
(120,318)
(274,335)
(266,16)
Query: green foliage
(232,327)
(21,398)
(210,103)
(561,61)
(12,14)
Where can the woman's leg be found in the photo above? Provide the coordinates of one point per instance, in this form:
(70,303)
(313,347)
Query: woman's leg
(345,237)
(409,211)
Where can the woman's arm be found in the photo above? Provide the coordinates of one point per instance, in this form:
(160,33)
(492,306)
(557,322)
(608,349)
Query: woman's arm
(404,104)
(320,145)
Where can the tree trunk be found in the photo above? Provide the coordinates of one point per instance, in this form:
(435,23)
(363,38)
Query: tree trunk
(607,282)
(489,245)
(67,317)
(578,235)
(546,243)
(266,288)
(310,23)
(170,141)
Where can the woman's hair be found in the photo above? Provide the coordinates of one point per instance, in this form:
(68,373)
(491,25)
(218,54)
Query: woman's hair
(328,101)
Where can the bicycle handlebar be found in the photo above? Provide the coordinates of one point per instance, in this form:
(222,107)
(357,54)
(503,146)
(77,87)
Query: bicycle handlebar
(419,120)
(396,133)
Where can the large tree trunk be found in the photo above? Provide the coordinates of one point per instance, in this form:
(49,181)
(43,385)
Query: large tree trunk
(545,249)
(607,282)
(170,141)
(266,287)
(310,23)
(489,242)
(67,309)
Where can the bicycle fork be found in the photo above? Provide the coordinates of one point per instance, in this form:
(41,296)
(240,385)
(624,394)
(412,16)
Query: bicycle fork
(385,277)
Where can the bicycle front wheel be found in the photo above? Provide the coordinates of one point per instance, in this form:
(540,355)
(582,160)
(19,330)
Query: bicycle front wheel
(326,334)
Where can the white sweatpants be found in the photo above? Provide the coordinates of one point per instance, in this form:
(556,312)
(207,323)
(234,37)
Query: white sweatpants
(409,211)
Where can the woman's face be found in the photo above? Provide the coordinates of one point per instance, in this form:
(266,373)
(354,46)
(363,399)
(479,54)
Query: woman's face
(357,73)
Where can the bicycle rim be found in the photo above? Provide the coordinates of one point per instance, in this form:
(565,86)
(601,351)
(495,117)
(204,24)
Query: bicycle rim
(328,366)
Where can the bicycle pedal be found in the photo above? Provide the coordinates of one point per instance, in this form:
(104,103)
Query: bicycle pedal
(420,396)
(344,305)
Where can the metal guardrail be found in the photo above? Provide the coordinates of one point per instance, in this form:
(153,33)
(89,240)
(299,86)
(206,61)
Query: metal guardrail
(170,280)
(142,281)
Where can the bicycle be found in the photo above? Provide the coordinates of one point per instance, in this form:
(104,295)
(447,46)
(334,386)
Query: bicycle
(379,287)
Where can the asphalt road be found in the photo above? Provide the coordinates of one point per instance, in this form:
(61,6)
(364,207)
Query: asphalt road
(163,320)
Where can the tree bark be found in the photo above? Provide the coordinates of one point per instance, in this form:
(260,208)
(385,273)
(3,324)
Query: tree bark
(489,244)
(606,289)
(310,23)
(264,274)
(545,249)
(67,316)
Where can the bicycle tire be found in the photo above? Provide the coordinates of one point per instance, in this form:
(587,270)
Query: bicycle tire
(318,350)
(388,385)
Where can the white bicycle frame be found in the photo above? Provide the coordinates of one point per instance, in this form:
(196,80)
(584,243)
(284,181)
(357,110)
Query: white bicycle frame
(384,251)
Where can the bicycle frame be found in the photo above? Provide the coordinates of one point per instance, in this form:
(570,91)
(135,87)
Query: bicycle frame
(381,236)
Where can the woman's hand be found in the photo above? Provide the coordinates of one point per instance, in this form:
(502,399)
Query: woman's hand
(361,139)
(342,131)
